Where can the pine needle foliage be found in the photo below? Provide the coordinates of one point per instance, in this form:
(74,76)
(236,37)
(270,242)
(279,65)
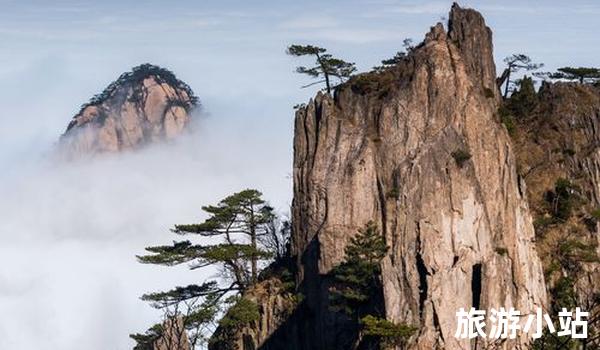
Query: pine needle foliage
(326,66)
(236,225)
(357,286)
(360,274)
(390,334)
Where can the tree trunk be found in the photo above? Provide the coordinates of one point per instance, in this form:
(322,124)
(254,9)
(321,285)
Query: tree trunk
(253,242)
(324,69)
(502,78)
(327,83)
(507,84)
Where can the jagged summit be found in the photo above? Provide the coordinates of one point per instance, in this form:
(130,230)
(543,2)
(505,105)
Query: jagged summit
(145,105)
(471,42)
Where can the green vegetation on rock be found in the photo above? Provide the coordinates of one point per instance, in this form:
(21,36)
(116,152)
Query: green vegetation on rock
(390,334)
(245,231)
(326,66)
(357,285)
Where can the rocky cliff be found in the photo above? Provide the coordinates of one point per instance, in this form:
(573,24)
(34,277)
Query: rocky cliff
(419,149)
(174,336)
(143,106)
(557,140)
(276,305)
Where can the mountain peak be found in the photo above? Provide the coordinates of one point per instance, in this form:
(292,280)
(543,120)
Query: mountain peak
(144,105)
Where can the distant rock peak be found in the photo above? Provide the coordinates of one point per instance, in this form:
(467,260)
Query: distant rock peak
(145,105)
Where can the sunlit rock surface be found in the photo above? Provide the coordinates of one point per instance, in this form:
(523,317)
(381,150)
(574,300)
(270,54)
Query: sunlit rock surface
(146,105)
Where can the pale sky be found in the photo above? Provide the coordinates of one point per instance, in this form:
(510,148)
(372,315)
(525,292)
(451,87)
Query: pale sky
(69,233)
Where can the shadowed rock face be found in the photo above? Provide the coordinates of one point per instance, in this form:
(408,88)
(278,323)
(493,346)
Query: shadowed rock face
(144,106)
(391,147)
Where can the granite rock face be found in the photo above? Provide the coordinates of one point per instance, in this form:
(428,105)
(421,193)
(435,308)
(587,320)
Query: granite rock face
(174,336)
(276,306)
(143,106)
(420,150)
(559,140)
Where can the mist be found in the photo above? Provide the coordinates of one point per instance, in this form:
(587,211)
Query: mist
(70,230)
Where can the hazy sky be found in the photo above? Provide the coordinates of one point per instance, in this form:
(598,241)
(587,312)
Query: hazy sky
(69,232)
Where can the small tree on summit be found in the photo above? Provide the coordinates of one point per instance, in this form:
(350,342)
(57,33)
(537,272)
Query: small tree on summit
(326,66)
(515,63)
(398,57)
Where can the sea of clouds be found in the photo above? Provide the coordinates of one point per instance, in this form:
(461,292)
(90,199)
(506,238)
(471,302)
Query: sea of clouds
(69,231)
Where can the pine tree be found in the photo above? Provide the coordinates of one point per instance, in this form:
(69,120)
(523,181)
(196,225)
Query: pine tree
(391,335)
(398,57)
(326,65)
(515,63)
(237,223)
(357,285)
(522,102)
(582,74)
(360,274)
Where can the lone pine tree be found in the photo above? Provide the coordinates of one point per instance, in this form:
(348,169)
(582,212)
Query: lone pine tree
(326,66)
(236,225)
(515,63)
(583,75)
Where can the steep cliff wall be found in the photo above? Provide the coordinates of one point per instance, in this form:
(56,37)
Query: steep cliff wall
(145,105)
(558,144)
(419,150)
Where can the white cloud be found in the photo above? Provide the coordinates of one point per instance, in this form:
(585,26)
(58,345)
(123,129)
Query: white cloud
(70,231)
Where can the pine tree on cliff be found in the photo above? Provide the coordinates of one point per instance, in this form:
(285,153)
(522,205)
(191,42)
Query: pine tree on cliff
(524,99)
(326,66)
(398,57)
(238,223)
(515,63)
(357,283)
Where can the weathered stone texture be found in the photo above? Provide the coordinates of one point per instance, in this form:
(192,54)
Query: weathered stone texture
(387,155)
(134,111)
